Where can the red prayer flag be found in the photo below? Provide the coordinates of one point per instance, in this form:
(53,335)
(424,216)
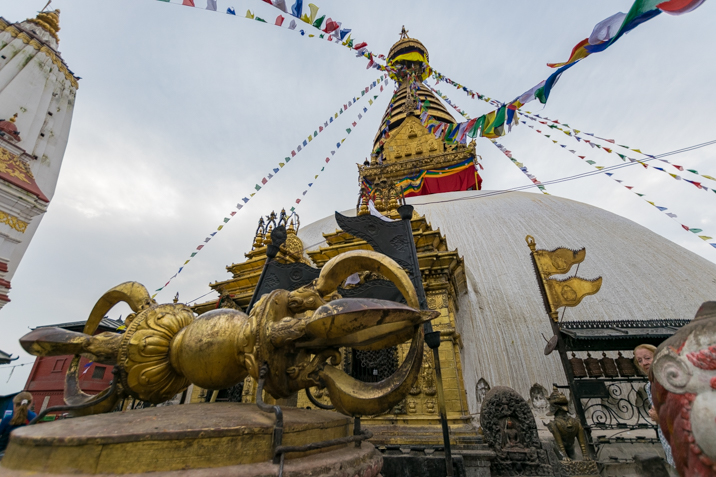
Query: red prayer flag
(298,201)
(264,181)
(200,246)
(188,3)
(293,153)
(678,167)
(685,227)
(328,160)
(331,26)
(360,45)
(279,20)
(320,128)
(233,213)
(629,187)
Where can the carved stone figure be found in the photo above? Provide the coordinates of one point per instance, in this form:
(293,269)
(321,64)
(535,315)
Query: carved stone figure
(510,430)
(565,428)
(294,334)
(684,393)
(481,389)
(538,397)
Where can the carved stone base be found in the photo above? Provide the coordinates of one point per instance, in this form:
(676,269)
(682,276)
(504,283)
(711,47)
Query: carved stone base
(580,467)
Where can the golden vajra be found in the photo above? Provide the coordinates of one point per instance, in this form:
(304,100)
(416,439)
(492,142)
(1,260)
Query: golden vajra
(296,334)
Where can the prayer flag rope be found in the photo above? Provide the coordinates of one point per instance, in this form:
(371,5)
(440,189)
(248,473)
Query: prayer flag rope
(272,174)
(328,29)
(604,34)
(569,131)
(521,166)
(623,157)
(664,210)
(354,124)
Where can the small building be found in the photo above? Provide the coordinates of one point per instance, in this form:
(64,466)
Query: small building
(47,378)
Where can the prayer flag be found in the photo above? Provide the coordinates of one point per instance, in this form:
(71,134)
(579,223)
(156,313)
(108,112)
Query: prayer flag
(280,4)
(257,187)
(279,20)
(198,248)
(245,200)
(211,5)
(275,170)
(298,201)
(188,3)
(263,181)
(297,9)
(220,227)
(248,14)
(281,164)
(292,25)
(230,11)
(226,220)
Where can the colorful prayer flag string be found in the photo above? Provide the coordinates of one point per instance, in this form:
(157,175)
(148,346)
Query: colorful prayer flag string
(338,145)
(612,150)
(664,210)
(520,165)
(328,29)
(572,132)
(245,200)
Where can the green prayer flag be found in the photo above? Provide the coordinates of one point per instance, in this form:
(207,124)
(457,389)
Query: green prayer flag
(476,127)
(257,187)
(348,130)
(319,22)
(591,162)
(696,231)
(693,171)
(226,220)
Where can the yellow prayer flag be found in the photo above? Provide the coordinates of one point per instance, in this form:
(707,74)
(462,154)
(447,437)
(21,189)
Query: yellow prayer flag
(311,36)
(253,194)
(316,176)
(519,164)
(672,175)
(577,131)
(708,177)
(249,14)
(281,164)
(310,138)
(220,227)
(554,141)
(154,296)
(370,101)
(637,150)
(599,167)
(336,117)
(186,262)
(651,203)
(314,12)
(343,140)
(704,237)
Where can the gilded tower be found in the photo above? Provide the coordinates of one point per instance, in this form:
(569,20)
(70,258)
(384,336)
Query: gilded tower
(37,97)
(411,155)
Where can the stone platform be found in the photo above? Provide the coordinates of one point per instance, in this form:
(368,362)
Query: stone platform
(217,439)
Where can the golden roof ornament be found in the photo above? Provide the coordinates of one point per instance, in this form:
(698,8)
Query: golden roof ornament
(404,34)
(48,21)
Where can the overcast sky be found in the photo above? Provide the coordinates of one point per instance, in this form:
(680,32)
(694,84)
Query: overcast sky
(180,111)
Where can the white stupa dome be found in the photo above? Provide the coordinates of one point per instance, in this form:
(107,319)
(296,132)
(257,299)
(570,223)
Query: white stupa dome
(502,318)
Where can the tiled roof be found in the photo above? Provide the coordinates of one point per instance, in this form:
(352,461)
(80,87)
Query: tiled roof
(106,323)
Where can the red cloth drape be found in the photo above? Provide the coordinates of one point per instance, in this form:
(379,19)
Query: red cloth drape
(463,180)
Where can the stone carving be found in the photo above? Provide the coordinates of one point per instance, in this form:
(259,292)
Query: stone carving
(684,393)
(481,389)
(430,406)
(510,430)
(427,377)
(538,397)
(412,406)
(565,428)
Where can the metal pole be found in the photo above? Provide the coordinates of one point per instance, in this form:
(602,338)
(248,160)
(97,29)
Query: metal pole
(432,338)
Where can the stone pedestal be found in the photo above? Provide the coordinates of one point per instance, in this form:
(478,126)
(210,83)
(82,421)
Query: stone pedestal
(220,439)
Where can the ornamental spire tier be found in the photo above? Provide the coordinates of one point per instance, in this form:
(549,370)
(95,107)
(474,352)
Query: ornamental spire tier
(419,148)
(37,97)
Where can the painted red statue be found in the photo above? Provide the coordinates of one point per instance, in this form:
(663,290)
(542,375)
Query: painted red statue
(684,392)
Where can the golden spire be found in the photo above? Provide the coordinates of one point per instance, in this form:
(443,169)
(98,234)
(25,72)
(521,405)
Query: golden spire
(13,118)
(48,21)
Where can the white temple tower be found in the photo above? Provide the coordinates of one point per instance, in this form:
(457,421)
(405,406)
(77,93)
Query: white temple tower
(37,97)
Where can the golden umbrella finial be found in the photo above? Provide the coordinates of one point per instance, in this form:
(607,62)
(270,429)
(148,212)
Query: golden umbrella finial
(404,33)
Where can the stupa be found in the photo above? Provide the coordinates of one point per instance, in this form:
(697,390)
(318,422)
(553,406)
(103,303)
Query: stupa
(37,99)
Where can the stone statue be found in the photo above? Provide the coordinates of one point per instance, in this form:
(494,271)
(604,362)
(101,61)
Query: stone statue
(509,428)
(294,336)
(538,397)
(684,393)
(565,428)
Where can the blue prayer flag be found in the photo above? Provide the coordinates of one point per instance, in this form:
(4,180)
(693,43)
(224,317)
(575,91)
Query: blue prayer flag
(231,11)
(297,9)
